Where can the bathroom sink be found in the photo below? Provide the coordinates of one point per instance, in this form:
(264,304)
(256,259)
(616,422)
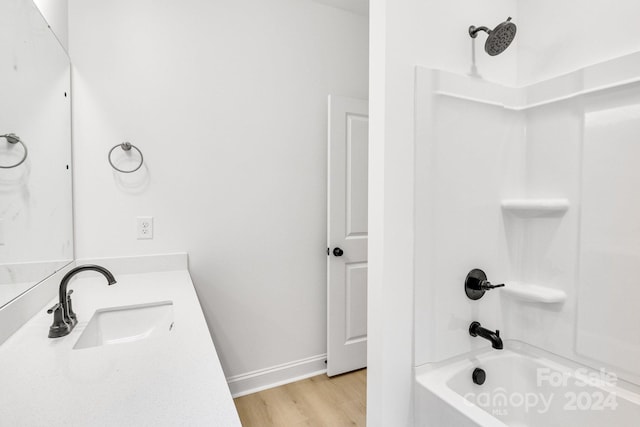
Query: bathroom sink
(117,325)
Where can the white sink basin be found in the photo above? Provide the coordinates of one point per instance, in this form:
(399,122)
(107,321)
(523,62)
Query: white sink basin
(117,325)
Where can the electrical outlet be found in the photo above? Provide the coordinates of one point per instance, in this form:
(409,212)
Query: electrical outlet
(145,227)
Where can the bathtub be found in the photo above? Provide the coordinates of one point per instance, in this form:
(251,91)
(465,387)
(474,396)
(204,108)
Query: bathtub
(524,386)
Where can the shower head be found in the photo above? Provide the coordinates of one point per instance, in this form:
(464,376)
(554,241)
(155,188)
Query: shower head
(499,38)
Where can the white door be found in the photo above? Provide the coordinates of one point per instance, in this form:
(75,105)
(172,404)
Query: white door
(347,235)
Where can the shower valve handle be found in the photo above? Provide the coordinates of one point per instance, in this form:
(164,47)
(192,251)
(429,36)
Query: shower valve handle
(476,284)
(486,285)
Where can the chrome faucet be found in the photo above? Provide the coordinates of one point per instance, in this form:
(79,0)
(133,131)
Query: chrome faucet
(64,319)
(475,329)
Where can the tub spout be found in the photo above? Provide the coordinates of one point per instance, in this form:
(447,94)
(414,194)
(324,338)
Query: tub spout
(475,329)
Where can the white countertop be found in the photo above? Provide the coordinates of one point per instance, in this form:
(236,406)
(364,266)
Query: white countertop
(173,380)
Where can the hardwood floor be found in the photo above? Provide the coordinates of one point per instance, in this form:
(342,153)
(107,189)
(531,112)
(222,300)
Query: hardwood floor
(318,402)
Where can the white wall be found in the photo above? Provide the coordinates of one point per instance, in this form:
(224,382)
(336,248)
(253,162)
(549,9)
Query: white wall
(404,34)
(227,101)
(56,14)
(558,37)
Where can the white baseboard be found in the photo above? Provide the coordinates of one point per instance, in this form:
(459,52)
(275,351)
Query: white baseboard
(252,382)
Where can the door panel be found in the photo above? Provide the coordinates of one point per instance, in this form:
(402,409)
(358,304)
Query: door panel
(357,174)
(347,230)
(356,304)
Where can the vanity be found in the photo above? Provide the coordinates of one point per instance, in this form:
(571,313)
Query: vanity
(140,353)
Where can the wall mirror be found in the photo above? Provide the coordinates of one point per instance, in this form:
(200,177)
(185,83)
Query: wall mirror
(36,229)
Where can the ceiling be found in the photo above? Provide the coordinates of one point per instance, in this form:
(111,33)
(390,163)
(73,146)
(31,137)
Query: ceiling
(360,7)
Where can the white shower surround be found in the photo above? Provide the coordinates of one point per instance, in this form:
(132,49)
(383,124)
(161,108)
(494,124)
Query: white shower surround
(553,38)
(540,143)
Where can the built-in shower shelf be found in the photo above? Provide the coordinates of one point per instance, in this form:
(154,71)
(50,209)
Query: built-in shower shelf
(534,293)
(531,208)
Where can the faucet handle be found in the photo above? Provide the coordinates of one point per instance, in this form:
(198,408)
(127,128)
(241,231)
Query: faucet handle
(486,285)
(54,308)
(70,313)
(476,284)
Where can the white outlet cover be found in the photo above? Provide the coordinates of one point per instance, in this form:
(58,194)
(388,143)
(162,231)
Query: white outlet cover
(144,227)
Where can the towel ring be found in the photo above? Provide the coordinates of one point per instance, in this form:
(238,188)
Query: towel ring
(126,146)
(12,138)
